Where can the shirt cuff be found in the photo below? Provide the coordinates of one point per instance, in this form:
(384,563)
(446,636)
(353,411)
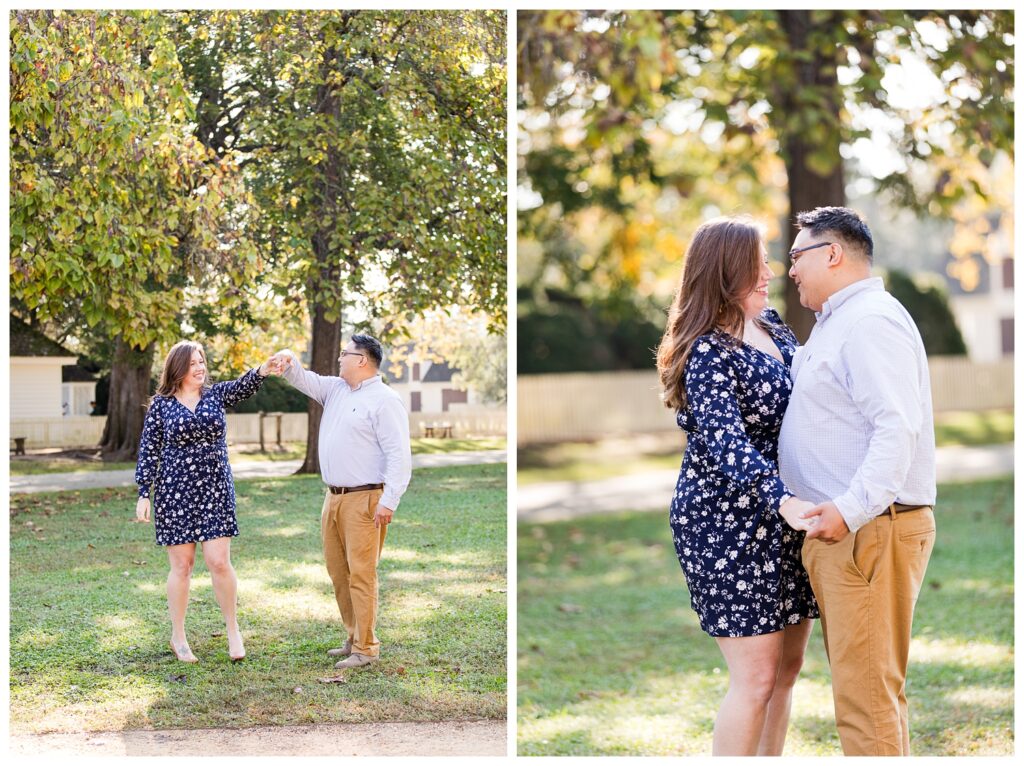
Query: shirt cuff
(144,492)
(388,500)
(853,514)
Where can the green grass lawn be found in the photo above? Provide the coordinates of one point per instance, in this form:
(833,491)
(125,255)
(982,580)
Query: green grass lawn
(89,629)
(588,461)
(612,661)
(974,428)
(290,451)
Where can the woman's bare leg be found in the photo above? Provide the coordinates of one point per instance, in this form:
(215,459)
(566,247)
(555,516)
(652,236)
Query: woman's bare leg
(182,559)
(753,669)
(217,556)
(794,642)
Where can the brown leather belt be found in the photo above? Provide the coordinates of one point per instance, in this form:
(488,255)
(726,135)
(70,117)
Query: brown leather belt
(903,508)
(360,488)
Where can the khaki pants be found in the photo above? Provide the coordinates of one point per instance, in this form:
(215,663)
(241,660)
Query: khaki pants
(352,547)
(866,586)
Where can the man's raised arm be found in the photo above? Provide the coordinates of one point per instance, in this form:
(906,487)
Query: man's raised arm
(316,387)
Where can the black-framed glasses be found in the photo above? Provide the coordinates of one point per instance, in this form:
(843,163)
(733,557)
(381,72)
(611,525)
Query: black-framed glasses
(350,353)
(794,254)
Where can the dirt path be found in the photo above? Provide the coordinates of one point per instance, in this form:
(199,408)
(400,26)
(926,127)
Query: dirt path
(444,738)
(241,469)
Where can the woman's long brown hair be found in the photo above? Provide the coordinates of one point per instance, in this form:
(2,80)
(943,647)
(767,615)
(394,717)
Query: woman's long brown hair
(721,268)
(177,365)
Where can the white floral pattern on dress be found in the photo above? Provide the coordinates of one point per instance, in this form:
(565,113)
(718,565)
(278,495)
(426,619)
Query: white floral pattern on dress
(183,464)
(740,559)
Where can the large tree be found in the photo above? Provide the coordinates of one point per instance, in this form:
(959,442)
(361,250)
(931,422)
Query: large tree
(373,143)
(116,210)
(630,114)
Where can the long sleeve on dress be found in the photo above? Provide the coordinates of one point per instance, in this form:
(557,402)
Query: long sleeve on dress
(150,446)
(234,391)
(712,397)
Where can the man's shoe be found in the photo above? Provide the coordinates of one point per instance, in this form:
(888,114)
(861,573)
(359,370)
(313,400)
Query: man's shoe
(341,651)
(355,661)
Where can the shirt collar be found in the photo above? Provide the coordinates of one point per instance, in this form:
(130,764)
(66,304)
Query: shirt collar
(839,297)
(368,381)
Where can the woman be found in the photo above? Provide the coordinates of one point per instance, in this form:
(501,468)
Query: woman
(724,364)
(183,465)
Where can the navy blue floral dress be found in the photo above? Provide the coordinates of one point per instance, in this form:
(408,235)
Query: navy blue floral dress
(183,464)
(740,558)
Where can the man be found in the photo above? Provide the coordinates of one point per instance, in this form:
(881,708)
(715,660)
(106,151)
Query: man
(366,462)
(858,440)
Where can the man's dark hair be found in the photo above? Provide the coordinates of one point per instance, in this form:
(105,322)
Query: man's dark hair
(842,221)
(370,345)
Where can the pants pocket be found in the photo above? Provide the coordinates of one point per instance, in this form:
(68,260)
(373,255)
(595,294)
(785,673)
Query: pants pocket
(919,538)
(866,551)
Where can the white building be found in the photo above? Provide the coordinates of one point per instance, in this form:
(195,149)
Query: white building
(427,387)
(985,315)
(50,394)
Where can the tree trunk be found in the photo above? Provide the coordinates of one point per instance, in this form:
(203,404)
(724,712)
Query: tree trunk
(323,293)
(809,189)
(126,408)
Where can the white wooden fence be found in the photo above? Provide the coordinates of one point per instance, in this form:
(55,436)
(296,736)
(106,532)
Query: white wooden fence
(585,406)
(244,428)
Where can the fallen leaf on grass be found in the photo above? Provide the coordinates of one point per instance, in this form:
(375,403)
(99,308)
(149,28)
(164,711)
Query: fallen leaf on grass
(90,545)
(177,679)
(216,635)
(400,670)
(333,680)
(297,690)
(570,608)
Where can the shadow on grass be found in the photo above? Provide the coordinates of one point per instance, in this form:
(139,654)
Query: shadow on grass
(89,628)
(606,637)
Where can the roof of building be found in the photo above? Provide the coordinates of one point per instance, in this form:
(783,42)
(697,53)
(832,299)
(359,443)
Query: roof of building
(29,341)
(439,372)
(394,373)
(76,373)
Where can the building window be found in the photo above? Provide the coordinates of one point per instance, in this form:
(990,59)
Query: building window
(1007,273)
(452,396)
(1006,326)
(416,402)
(416,371)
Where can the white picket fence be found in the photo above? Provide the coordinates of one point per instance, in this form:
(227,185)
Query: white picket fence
(84,431)
(586,406)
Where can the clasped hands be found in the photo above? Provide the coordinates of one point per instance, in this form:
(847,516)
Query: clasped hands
(821,522)
(276,365)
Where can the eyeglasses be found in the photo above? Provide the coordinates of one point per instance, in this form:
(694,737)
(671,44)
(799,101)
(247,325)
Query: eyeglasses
(794,255)
(350,353)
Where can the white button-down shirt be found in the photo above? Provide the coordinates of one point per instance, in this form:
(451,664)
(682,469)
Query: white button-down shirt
(364,432)
(858,430)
